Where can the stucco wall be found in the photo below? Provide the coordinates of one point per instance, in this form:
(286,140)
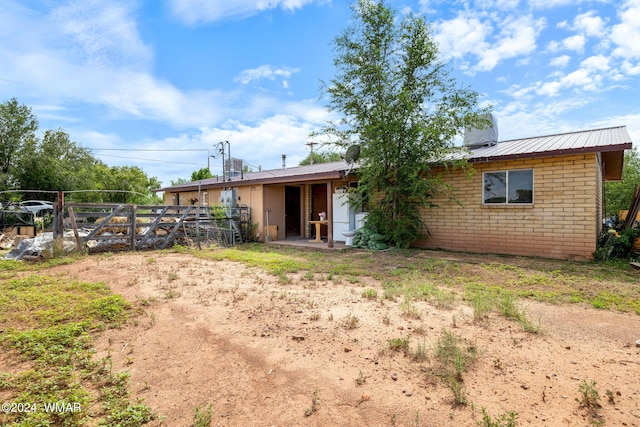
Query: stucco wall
(562,222)
(274,204)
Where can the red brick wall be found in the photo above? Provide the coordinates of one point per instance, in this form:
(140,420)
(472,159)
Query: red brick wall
(563,221)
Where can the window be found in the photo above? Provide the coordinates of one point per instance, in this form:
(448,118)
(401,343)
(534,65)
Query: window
(508,187)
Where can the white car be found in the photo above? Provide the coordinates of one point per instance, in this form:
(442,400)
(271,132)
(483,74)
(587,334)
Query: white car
(38,207)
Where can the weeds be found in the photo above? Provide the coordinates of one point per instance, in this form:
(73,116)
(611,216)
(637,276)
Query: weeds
(350,322)
(53,322)
(589,397)
(203,417)
(362,378)
(399,344)
(410,310)
(370,293)
(488,300)
(453,359)
(508,419)
(420,355)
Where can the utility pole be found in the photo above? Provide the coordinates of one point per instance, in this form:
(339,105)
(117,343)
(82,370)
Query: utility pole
(311,144)
(221,151)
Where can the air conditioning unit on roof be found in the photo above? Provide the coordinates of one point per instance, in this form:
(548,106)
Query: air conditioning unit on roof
(482,137)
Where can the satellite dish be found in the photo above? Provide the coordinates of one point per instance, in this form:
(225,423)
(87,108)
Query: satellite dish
(352,155)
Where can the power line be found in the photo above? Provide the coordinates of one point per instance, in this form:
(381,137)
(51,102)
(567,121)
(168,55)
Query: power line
(148,149)
(151,160)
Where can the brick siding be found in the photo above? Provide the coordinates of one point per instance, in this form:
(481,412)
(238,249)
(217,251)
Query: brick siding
(563,221)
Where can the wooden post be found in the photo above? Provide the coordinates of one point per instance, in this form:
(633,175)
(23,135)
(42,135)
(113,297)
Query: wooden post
(134,223)
(74,225)
(329,215)
(58,217)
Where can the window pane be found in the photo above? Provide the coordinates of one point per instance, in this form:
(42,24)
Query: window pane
(521,186)
(495,187)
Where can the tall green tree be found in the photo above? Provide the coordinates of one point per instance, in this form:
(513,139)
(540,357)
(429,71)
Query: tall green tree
(55,163)
(127,184)
(197,175)
(618,194)
(200,174)
(17,127)
(399,102)
(320,157)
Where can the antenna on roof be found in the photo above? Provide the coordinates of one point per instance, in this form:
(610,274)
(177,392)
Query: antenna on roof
(311,144)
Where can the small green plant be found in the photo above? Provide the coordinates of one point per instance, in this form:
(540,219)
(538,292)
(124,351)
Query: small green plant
(589,397)
(420,354)
(508,419)
(203,417)
(410,310)
(399,344)
(362,378)
(452,360)
(350,322)
(370,293)
(457,389)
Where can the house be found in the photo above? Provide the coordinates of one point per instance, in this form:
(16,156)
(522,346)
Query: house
(540,196)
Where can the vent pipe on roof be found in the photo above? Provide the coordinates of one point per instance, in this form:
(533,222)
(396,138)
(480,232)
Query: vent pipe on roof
(284,161)
(483,136)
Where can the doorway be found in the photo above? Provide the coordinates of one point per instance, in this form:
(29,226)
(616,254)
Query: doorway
(319,204)
(292,215)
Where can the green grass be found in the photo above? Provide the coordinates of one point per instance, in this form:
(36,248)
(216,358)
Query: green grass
(453,358)
(420,275)
(48,325)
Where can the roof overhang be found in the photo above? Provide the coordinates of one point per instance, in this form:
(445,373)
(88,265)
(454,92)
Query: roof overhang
(301,179)
(612,157)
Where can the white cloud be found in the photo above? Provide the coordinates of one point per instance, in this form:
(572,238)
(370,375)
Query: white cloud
(467,34)
(196,11)
(631,69)
(596,63)
(589,24)
(574,43)
(91,52)
(265,72)
(517,38)
(262,143)
(549,4)
(560,61)
(627,33)
(462,35)
(105,33)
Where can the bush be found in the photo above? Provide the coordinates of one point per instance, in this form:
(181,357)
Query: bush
(614,244)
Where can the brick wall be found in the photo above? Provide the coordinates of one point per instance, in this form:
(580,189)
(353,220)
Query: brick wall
(562,222)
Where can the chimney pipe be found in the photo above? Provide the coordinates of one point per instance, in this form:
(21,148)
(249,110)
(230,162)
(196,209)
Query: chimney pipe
(284,159)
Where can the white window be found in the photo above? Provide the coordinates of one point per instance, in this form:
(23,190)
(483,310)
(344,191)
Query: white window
(508,187)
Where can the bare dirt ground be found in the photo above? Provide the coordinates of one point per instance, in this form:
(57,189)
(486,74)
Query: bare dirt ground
(264,353)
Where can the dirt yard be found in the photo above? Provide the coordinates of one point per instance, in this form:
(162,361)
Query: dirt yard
(316,353)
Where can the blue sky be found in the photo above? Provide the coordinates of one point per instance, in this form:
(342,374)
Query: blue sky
(172,78)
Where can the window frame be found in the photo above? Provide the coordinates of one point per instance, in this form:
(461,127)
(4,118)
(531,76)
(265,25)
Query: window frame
(506,202)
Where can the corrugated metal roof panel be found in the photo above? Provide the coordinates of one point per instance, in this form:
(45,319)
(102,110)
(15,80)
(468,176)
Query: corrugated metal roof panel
(588,140)
(595,140)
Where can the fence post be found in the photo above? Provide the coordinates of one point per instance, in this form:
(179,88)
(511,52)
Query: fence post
(58,217)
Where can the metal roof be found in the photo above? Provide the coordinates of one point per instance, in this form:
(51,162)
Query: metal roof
(320,171)
(595,140)
(612,139)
